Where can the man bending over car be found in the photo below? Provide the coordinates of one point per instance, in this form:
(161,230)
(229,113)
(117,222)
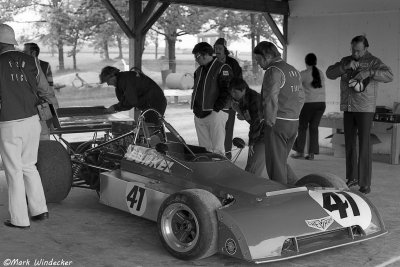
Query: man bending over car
(134,89)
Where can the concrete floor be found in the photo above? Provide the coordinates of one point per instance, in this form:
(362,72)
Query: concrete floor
(83,232)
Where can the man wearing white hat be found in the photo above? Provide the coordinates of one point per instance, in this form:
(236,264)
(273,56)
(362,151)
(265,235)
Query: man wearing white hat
(19,81)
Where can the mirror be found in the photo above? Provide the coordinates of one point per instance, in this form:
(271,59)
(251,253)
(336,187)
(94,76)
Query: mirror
(238,142)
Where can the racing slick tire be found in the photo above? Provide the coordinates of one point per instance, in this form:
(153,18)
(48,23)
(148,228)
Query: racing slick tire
(54,166)
(187,224)
(322,180)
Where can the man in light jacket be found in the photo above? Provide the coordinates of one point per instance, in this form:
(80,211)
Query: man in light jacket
(359,107)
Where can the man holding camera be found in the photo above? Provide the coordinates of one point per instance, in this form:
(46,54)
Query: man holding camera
(358,106)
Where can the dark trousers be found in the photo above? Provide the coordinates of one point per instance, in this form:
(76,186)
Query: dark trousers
(310,116)
(358,124)
(160,106)
(278,141)
(229,132)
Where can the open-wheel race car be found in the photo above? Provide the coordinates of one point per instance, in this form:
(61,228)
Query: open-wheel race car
(202,202)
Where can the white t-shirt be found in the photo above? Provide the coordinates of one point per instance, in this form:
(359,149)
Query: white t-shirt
(312,94)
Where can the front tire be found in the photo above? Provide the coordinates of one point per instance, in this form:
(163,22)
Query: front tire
(54,166)
(187,224)
(322,180)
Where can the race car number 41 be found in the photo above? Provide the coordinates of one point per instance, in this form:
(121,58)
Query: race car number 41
(136,198)
(346,208)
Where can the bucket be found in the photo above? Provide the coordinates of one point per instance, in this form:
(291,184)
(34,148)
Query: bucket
(182,81)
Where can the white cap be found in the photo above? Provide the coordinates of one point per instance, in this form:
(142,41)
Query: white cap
(7,35)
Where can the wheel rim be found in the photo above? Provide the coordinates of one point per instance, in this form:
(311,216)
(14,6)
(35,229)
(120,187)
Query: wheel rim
(180,227)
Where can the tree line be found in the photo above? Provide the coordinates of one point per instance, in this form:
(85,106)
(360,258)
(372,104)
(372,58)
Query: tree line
(73,23)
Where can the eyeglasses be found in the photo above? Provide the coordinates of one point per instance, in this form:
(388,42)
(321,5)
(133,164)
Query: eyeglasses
(196,57)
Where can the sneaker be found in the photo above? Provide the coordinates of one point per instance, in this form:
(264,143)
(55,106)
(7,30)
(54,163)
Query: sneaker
(310,156)
(365,189)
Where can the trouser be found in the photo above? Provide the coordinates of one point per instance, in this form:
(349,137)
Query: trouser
(310,116)
(19,144)
(256,162)
(211,131)
(358,124)
(278,141)
(230,124)
(159,105)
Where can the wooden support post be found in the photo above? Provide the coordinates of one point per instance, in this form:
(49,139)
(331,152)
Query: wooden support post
(285,35)
(136,44)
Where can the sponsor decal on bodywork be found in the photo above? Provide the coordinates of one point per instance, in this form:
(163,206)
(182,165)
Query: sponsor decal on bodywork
(320,224)
(148,157)
(136,198)
(346,208)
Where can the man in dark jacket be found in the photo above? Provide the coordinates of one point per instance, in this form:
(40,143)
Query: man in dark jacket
(359,107)
(222,54)
(134,89)
(20,129)
(247,103)
(282,98)
(210,96)
(34,50)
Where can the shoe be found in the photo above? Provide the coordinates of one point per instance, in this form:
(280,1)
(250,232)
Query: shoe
(310,156)
(365,189)
(297,155)
(351,183)
(9,224)
(40,217)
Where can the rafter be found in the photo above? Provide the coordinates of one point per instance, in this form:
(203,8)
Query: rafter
(268,6)
(275,29)
(118,19)
(155,17)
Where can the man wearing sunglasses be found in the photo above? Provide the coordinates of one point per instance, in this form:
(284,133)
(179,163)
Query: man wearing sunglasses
(210,96)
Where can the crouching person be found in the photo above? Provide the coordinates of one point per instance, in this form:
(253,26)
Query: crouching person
(247,103)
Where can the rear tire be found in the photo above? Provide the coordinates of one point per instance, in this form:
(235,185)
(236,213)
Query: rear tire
(322,180)
(54,166)
(187,224)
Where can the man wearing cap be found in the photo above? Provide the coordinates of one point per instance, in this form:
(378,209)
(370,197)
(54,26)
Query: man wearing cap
(34,50)
(210,96)
(20,79)
(134,89)
(222,53)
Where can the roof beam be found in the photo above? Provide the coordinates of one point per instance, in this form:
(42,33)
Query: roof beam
(148,10)
(155,17)
(282,38)
(118,19)
(268,6)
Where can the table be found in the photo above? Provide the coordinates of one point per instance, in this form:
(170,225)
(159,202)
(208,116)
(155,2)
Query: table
(377,127)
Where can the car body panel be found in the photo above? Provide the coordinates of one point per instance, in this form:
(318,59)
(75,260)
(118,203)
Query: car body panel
(265,221)
(260,227)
